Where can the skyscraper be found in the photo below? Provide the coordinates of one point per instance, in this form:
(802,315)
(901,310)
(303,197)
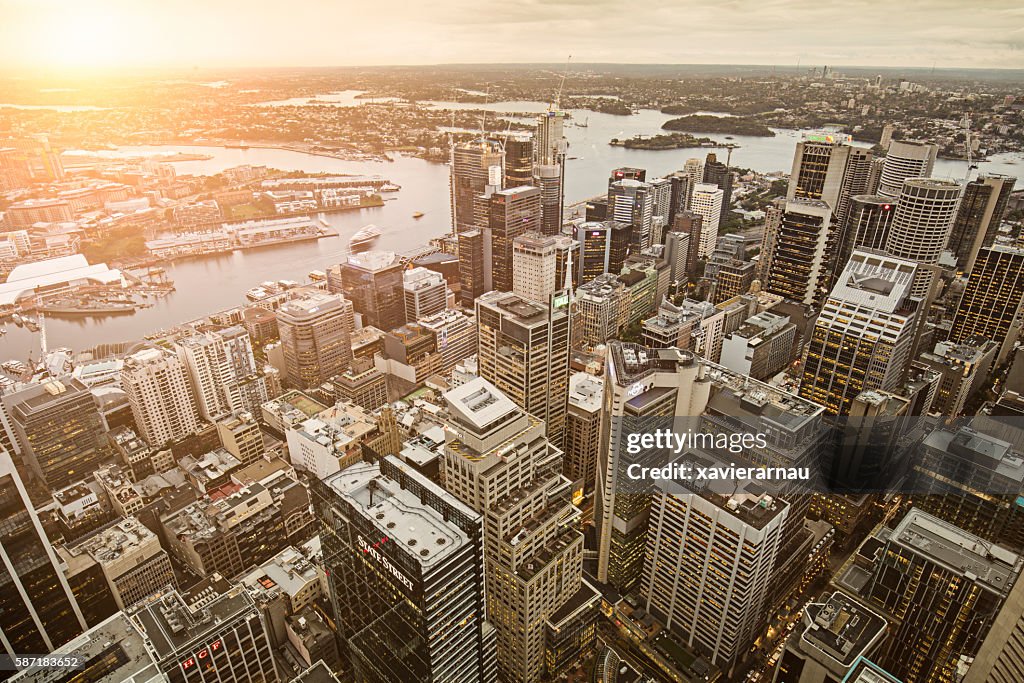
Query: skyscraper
(405,566)
(719,174)
(632,202)
(157,384)
(603,247)
(524,351)
(639,383)
(37,609)
(426,293)
(533,555)
(693,169)
(992,302)
(373,282)
(709,559)
(583,429)
(866,225)
(316,333)
(549,151)
(474,274)
(223,372)
(58,428)
(828,168)
(471,166)
(921,224)
(213,633)
(539,264)
(863,336)
(518,159)
(905,159)
(798,263)
(513,212)
(977,220)
(691,225)
(706,201)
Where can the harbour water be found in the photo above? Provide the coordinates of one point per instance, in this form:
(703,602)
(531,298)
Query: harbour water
(212,283)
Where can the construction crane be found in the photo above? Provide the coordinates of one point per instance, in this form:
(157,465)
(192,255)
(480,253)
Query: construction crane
(968,147)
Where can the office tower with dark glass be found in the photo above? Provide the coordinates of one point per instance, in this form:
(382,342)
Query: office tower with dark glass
(471,164)
(866,225)
(862,338)
(498,462)
(518,159)
(474,273)
(719,174)
(603,247)
(524,351)
(316,331)
(632,202)
(993,300)
(979,217)
(512,213)
(405,566)
(373,282)
(828,168)
(38,612)
(57,426)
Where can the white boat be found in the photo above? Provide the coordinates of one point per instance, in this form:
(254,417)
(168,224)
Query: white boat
(390,187)
(365,237)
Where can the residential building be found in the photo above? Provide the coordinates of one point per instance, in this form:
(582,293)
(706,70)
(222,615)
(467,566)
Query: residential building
(158,388)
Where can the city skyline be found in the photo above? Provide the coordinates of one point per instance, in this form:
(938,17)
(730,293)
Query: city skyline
(103,34)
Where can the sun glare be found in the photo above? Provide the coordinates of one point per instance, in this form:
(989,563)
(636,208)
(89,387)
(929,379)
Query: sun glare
(84,36)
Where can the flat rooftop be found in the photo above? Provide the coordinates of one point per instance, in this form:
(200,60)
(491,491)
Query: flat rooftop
(841,628)
(398,514)
(172,624)
(987,564)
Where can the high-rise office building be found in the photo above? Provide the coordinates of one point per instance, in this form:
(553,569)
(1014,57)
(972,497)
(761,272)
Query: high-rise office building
(405,565)
(905,159)
(549,151)
(706,201)
(977,220)
(677,252)
(518,159)
(583,430)
(223,372)
(58,428)
(939,587)
(993,300)
(600,309)
(474,274)
(533,568)
(157,384)
(862,338)
(719,174)
(426,293)
(867,225)
(921,223)
(692,225)
(632,202)
(828,168)
(373,282)
(471,164)
(801,250)
(524,351)
(679,198)
(762,347)
(962,367)
(710,555)
(639,383)
(513,212)
(363,384)
(454,336)
(603,247)
(693,170)
(38,611)
(1001,657)
(661,189)
(540,264)
(316,331)
(213,633)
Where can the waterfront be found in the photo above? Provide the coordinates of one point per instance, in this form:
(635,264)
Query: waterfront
(212,283)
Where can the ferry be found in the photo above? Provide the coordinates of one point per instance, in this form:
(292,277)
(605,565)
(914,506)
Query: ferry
(317,275)
(287,284)
(417,214)
(390,187)
(364,238)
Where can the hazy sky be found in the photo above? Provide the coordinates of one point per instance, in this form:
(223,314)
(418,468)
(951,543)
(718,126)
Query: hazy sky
(87,33)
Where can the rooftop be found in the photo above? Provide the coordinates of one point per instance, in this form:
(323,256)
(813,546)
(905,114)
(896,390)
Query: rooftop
(841,629)
(398,514)
(479,403)
(173,621)
(586,391)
